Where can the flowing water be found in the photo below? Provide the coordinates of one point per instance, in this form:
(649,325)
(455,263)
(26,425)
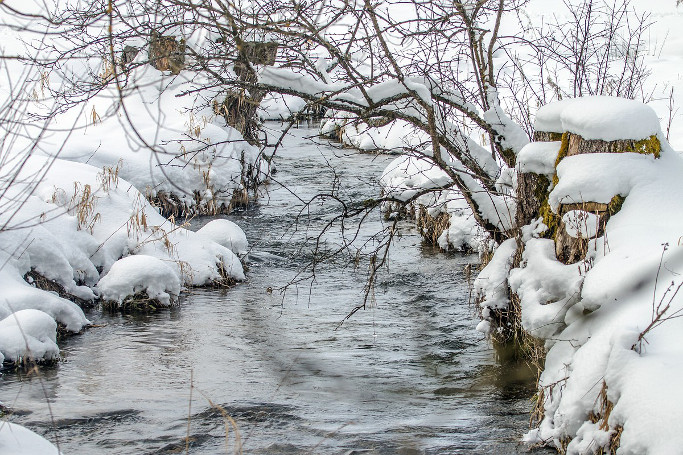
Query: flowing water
(407,375)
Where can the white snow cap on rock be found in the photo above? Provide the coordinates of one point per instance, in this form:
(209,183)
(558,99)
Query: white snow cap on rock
(137,273)
(28,334)
(226,233)
(599,117)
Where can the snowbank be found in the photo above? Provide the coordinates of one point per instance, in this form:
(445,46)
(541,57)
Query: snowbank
(82,155)
(394,137)
(85,227)
(538,157)
(408,176)
(280,107)
(491,283)
(160,141)
(609,322)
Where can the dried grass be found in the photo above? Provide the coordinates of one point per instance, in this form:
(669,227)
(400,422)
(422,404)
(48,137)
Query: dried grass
(140,302)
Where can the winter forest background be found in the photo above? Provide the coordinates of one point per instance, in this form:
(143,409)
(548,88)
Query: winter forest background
(534,143)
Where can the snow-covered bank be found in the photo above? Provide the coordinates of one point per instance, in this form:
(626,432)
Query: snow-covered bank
(83,234)
(609,321)
(456,228)
(391,137)
(87,145)
(171,147)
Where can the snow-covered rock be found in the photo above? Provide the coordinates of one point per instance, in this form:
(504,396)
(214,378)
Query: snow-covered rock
(226,233)
(28,334)
(140,273)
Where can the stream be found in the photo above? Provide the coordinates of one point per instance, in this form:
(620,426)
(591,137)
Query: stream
(406,375)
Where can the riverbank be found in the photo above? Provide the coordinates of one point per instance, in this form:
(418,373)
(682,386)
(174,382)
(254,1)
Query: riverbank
(408,373)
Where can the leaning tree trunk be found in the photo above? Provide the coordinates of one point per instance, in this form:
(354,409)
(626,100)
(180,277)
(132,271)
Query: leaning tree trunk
(240,105)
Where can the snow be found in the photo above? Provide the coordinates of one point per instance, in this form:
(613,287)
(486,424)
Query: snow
(514,137)
(226,233)
(19,295)
(491,283)
(610,118)
(599,117)
(140,273)
(548,116)
(280,107)
(463,232)
(619,174)
(394,137)
(547,288)
(591,314)
(72,252)
(159,142)
(28,334)
(75,186)
(18,440)
(539,158)
(409,175)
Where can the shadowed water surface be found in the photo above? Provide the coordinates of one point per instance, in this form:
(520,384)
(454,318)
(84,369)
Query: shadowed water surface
(407,375)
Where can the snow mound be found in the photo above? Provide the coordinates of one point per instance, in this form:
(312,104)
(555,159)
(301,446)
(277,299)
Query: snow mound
(18,295)
(599,117)
(548,116)
(134,274)
(546,287)
(17,440)
(463,232)
(618,174)
(539,158)
(408,175)
(491,283)
(280,107)
(28,334)
(226,233)
(395,136)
